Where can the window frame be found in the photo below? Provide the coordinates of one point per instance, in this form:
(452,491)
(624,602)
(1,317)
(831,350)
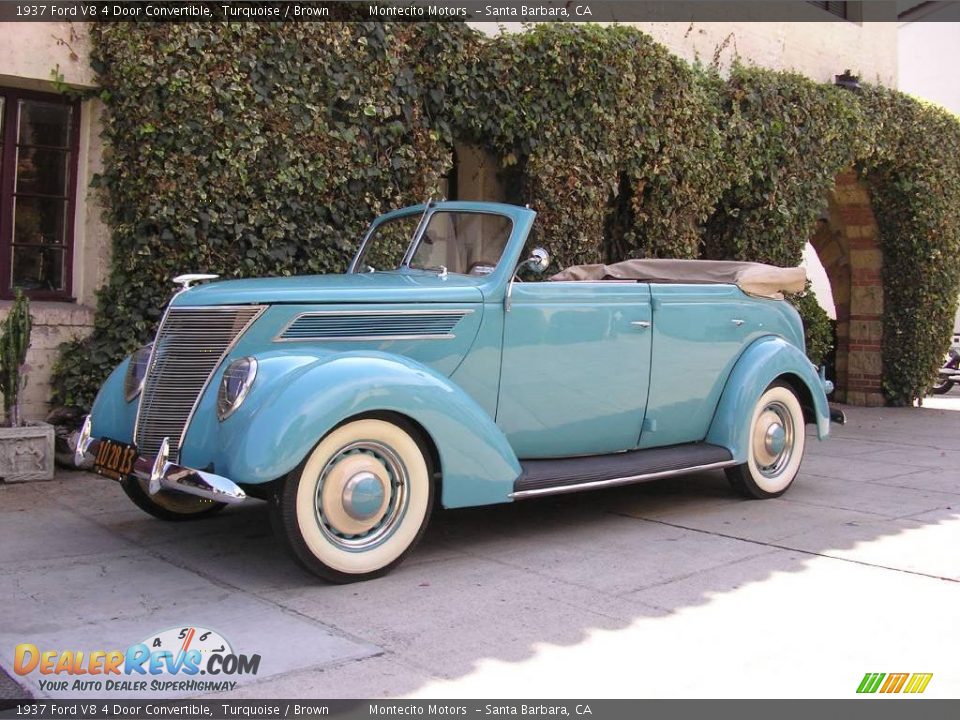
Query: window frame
(422,231)
(8,169)
(839,9)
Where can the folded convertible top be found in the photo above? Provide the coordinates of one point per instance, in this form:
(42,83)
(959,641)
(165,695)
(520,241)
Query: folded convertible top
(753,278)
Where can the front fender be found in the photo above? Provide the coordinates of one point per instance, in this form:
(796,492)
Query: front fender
(113,416)
(764,361)
(294,408)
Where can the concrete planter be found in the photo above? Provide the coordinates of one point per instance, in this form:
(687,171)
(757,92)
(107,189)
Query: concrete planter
(26,453)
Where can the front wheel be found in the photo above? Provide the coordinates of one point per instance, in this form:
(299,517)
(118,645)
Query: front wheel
(776,445)
(171,506)
(358,503)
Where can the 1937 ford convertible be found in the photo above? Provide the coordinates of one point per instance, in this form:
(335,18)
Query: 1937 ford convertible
(431,371)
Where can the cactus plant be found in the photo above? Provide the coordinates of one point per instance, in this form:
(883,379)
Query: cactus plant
(13,355)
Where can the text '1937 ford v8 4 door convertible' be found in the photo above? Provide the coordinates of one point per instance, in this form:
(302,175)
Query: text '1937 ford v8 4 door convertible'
(431,372)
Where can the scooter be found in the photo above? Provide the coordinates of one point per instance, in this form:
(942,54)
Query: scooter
(949,373)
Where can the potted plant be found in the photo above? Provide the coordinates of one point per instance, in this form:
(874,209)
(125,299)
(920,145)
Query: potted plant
(26,449)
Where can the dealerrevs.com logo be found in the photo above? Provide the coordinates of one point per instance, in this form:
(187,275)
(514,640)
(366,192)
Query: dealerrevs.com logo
(168,661)
(894,682)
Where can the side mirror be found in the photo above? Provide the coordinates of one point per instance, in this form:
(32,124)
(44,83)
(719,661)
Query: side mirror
(539,260)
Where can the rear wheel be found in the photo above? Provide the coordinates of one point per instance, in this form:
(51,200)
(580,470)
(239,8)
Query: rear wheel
(169,505)
(358,503)
(941,387)
(776,445)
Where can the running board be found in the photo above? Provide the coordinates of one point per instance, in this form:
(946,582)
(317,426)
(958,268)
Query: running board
(563,475)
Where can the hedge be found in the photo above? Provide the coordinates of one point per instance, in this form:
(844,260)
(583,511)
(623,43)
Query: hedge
(247,149)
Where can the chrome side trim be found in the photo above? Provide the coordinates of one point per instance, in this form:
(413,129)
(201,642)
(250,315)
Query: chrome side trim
(367,338)
(279,337)
(595,484)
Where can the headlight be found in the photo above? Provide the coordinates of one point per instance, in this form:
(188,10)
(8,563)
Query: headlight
(136,372)
(236,382)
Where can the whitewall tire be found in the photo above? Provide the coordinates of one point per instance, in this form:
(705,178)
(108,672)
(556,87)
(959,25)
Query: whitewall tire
(359,502)
(776,445)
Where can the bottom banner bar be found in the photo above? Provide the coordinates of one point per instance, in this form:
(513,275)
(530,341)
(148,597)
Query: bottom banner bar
(592,709)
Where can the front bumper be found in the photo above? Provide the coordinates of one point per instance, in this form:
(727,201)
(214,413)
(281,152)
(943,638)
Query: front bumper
(161,474)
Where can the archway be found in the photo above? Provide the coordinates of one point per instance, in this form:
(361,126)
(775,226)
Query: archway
(847,243)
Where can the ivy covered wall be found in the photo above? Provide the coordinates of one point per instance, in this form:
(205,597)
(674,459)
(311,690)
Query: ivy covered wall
(265,149)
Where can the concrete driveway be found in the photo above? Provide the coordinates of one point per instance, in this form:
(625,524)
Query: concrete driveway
(670,589)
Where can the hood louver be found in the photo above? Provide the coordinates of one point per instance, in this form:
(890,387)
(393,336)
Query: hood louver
(373,325)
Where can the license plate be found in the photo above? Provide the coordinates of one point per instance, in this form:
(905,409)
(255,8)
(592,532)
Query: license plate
(115,459)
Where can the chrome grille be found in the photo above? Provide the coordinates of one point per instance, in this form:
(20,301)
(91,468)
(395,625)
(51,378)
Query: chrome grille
(190,345)
(373,325)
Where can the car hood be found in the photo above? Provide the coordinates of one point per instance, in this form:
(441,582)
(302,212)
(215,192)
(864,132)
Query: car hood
(353,288)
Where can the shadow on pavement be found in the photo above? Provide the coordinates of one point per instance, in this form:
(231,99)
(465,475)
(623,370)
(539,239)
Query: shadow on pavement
(667,589)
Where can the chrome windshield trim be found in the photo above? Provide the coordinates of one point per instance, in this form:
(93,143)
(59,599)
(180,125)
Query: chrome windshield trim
(415,245)
(429,210)
(374,226)
(418,233)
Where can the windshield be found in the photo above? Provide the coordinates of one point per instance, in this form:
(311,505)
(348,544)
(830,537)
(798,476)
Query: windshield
(466,243)
(388,244)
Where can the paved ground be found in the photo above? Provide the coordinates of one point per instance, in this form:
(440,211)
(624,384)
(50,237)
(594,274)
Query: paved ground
(668,589)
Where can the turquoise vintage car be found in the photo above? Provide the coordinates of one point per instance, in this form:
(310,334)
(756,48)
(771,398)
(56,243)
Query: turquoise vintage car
(432,372)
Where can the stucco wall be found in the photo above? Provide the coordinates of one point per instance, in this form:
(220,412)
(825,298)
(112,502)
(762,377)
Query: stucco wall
(53,323)
(820,49)
(929,58)
(29,54)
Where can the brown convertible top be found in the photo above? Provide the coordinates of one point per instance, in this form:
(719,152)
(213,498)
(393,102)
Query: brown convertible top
(757,279)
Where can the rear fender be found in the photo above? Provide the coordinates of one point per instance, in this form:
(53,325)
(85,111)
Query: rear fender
(763,362)
(293,409)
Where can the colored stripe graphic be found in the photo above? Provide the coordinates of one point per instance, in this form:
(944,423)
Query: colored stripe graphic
(895,682)
(870,682)
(918,683)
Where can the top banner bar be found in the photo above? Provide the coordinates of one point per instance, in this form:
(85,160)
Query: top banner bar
(483,11)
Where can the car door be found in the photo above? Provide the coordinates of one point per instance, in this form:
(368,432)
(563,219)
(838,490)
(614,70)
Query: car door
(700,332)
(575,367)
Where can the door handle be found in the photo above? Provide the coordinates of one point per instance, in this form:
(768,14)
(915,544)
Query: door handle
(737,321)
(643,324)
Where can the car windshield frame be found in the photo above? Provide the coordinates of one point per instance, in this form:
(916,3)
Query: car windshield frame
(417,239)
(379,223)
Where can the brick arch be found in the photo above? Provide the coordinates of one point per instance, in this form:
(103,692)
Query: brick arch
(848,245)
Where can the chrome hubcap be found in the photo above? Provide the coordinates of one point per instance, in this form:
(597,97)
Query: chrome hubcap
(773,437)
(361,496)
